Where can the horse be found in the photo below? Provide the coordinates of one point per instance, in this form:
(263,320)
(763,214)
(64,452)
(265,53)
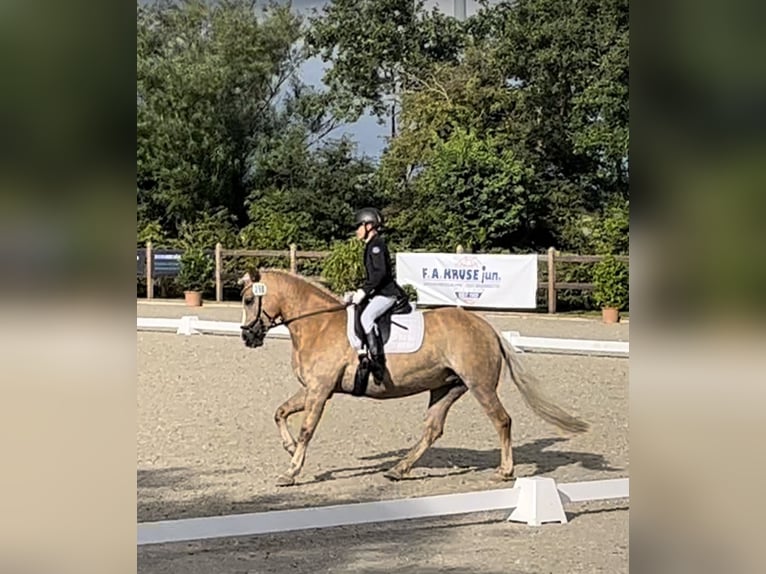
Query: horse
(460,352)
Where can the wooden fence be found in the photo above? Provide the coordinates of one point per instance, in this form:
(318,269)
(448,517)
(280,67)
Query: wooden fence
(549,284)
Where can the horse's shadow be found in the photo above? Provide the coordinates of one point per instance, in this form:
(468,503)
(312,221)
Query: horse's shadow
(463,460)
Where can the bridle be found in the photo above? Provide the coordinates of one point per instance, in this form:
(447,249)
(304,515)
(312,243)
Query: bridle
(257,327)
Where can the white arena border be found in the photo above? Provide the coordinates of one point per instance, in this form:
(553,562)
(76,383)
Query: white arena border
(192,325)
(535,501)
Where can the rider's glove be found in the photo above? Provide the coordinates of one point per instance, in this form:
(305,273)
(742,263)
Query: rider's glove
(358,296)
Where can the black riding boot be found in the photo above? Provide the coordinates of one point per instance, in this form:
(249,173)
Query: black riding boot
(377,357)
(361,376)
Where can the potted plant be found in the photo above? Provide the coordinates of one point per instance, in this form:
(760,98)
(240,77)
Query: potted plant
(611,287)
(194,275)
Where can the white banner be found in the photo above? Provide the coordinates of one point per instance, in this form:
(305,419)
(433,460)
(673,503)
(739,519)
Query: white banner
(470,280)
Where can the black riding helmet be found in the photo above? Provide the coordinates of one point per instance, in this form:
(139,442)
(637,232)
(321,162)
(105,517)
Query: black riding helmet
(368,215)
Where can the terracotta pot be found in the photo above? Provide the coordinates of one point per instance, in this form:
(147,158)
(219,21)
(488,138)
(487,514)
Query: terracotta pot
(193,298)
(610,315)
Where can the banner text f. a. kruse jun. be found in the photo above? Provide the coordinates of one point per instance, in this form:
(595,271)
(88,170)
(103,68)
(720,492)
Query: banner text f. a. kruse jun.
(500,281)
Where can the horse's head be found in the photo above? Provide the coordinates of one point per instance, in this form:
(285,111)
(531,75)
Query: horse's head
(259,302)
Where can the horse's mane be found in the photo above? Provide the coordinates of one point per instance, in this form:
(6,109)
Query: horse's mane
(311,282)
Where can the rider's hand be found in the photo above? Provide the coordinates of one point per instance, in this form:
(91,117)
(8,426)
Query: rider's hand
(348,296)
(358,296)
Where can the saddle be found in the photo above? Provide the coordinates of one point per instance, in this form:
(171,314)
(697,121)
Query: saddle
(400,329)
(401,307)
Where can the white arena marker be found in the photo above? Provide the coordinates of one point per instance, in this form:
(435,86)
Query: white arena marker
(218,327)
(519,342)
(157,323)
(537,500)
(595,490)
(192,325)
(187,326)
(324,517)
(540,499)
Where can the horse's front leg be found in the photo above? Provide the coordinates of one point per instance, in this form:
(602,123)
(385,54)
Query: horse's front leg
(315,401)
(294,404)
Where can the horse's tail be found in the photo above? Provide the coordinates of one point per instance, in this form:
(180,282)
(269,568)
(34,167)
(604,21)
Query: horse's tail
(529,387)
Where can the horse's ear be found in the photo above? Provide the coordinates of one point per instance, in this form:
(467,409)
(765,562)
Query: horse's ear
(251,276)
(245,280)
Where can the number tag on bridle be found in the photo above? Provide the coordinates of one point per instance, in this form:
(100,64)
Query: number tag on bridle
(259,289)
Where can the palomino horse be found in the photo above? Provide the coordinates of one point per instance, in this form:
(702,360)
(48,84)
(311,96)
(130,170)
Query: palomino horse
(460,352)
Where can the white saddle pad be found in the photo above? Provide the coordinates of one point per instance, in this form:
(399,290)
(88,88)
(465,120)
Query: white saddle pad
(400,340)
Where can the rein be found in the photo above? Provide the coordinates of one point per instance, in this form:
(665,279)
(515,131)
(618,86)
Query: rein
(274,323)
(311,314)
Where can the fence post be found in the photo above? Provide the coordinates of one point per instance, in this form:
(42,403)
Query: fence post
(218,270)
(293,258)
(551,280)
(149,269)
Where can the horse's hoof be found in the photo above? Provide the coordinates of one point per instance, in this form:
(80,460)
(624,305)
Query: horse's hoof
(503,476)
(393,474)
(286,480)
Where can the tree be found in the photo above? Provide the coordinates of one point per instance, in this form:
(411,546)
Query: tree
(302,195)
(208,77)
(449,177)
(530,125)
(568,65)
(376,48)
(470,195)
(512,131)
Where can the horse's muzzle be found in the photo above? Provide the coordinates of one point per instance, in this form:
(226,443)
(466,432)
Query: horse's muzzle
(253,334)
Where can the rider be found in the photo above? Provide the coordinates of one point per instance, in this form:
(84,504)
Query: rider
(379,288)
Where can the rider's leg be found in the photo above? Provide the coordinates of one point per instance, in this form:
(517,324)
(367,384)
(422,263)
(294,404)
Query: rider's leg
(362,374)
(362,350)
(377,306)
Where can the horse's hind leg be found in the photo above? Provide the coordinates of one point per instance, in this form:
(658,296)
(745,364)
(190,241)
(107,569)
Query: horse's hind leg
(488,399)
(294,404)
(438,407)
